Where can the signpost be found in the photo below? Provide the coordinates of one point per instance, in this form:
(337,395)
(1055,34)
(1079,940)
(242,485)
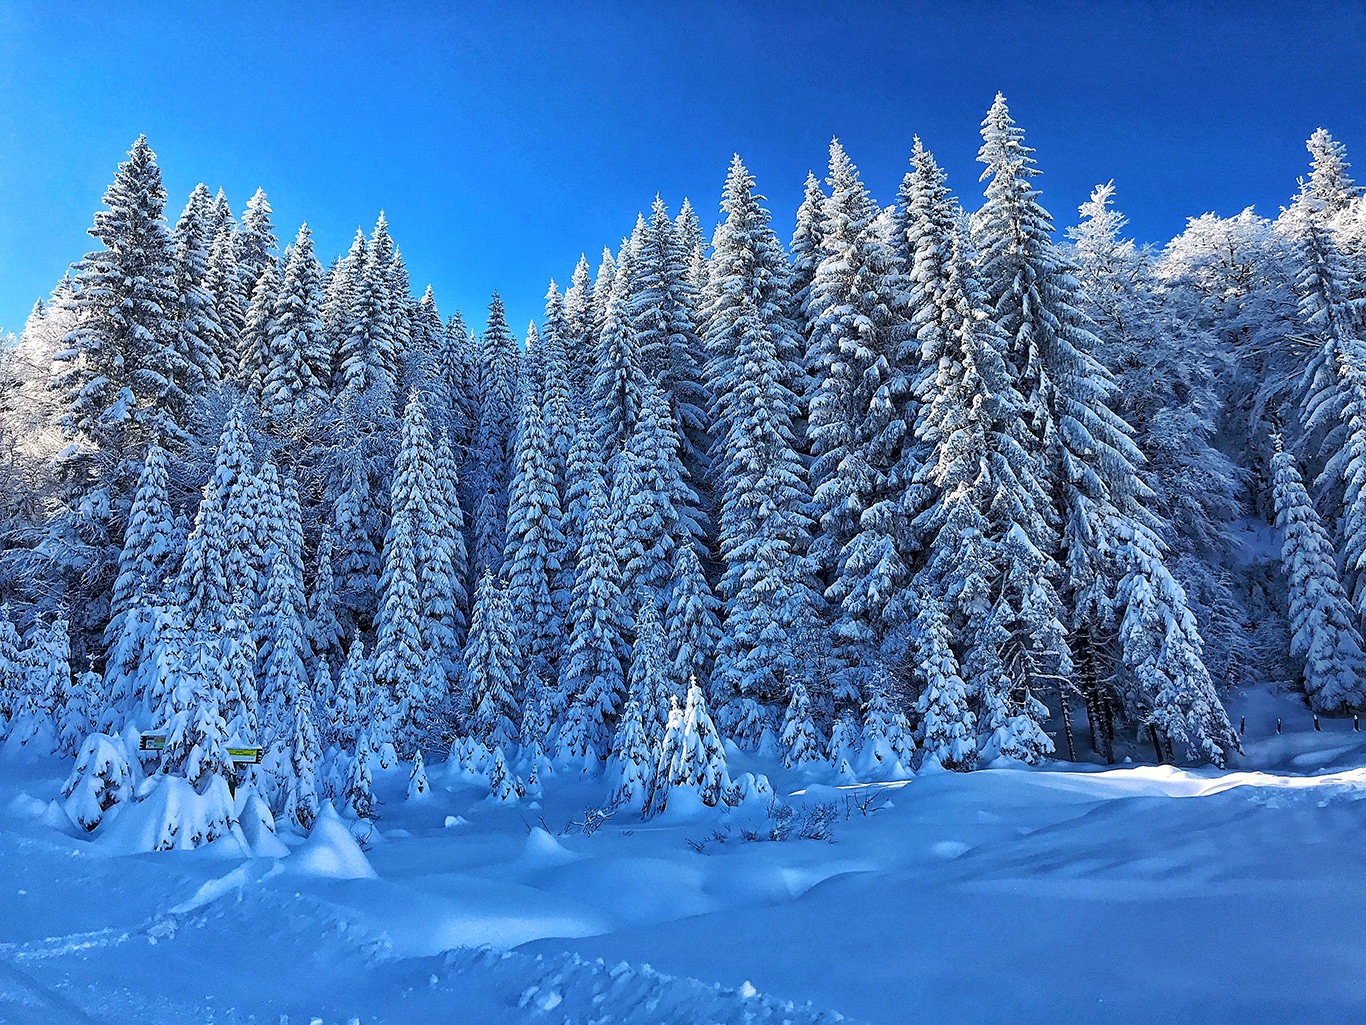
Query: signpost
(236,755)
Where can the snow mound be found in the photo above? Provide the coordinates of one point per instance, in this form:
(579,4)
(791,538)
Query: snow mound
(331,851)
(568,988)
(543,850)
(173,816)
(258,826)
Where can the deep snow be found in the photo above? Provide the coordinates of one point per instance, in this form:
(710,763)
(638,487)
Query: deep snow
(1064,893)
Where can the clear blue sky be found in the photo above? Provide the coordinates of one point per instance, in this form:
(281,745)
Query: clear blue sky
(504,138)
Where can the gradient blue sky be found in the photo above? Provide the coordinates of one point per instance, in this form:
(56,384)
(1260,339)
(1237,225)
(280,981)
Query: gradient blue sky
(504,138)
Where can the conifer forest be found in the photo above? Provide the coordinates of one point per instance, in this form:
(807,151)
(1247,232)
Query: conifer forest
(925,492)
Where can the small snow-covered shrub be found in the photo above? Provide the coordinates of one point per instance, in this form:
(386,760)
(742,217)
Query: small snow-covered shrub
(101,779)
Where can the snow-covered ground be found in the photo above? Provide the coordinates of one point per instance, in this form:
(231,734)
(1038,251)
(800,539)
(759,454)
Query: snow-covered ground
(1066,893)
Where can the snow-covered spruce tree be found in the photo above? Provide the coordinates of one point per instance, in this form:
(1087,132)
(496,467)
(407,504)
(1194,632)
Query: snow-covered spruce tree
(1163,655)
(345,705)
(689,228)
(1167,390)
(190,718)
(254,343)
(490,666)
(618,387)
(218,556)
(367,362)
(301,789)
(559,401)
(585,471)
(1085,449)
(887,747)
(280,658)
(635,745)
(45,686)
(355,515)
(199,336)
(1324,632)
(692,760)
(762,486)
(856,420)
(1335,378)
(126,380)
(948,727)
(490,453)
(233,652)
(255,241)
(11,671)
(579,341)
(295,383)
(400,655)
(1330,179)
(664,312)
(805,248)
(694,626)
(150,550)
(657,510)
(591,677)
(323,628)
(800,740)
(445,593)
(535,541)
(230,300)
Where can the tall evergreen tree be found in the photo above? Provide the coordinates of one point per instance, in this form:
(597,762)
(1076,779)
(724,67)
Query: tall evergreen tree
(535,540)
(491,667)
(591,676)
(294,385)
(1324,633)
(126,381)
(764,497)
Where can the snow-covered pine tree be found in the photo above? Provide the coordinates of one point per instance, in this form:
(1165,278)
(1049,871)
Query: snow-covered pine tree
(618,387)
(693,759)
(491,449)
(1324,632)
(579,342)
(948,728)
(301,791)
(535,540)
(230,299)
(664,312)
(150,550)
(255,241)
(357,561)
(887,748)
(800,741)
(254,342)
(400,655)
(445,593)
(11,671)
(281,673)
(491,673)
(694,626)
(805,248)
(1330,179)
(46,683)
(1085,449)
(367,363)
(347,702)
(558,399)
(657,511)
(323,628)
(126,381)
(857,414)
(295,382)
(591,677)
(199,335)
(1165,370)
(762,486)
(217,559)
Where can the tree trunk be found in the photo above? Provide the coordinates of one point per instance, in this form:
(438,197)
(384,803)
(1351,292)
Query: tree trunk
(1157,743)
(1067,722)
